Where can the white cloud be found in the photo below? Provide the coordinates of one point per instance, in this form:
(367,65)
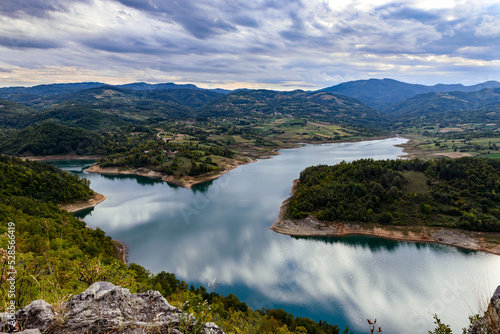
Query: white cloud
(489,26)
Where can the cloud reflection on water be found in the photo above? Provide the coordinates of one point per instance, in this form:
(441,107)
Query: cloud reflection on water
(220,230)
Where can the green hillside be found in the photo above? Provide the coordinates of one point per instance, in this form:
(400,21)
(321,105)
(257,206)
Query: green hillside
(12,113)
(51,138)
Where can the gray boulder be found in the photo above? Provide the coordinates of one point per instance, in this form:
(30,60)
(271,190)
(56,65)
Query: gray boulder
(37,315)
(105,308)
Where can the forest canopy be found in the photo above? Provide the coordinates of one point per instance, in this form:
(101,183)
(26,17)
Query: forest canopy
(463,193)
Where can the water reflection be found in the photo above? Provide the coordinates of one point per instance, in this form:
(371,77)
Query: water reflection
(220,230)
(141,180)
(202,187)
(73,166)
(375,244)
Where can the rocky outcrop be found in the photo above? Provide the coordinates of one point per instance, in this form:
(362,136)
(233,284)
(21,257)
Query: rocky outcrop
(490,322)
(105,308)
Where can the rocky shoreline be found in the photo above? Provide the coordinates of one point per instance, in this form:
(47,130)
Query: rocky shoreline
(312,227)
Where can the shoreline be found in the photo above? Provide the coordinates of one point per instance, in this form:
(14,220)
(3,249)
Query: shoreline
(83,204)
(186,182)
(312,227)
(413,152)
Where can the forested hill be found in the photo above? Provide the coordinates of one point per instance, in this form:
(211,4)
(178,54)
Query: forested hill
(11,113)
(320,105)
(40,181)
(463,193)
(50,138)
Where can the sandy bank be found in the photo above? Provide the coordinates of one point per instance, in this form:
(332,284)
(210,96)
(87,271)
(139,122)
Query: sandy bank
(186,181)
(83,204)
(312,227)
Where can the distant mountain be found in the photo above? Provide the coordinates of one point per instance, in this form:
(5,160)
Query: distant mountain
(50,89)
(383,93)
(432,104)
(322,105)
(36,96)
(187,97)
(146,86)
(169,86)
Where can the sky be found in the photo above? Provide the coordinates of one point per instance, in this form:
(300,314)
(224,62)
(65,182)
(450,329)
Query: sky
(272,44)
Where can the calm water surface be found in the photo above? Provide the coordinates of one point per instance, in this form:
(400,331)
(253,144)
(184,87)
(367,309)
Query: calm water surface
(220,231)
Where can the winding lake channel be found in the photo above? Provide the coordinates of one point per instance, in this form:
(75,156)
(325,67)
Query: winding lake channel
(219,231)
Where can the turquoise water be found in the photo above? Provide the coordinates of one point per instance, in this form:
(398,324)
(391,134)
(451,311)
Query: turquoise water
(219,231)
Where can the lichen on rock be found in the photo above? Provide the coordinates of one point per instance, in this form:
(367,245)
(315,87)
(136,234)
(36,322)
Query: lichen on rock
(106,308)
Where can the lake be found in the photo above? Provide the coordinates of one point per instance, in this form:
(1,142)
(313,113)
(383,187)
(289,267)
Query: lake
(219,231)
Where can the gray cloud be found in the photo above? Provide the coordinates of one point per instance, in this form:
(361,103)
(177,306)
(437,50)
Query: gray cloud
(201,21)
(401,11)
(29,43)
(36,8)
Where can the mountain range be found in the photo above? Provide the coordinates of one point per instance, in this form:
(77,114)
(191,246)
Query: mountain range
(370,102)
(381,94)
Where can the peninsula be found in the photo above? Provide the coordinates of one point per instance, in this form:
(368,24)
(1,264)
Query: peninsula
(399,200)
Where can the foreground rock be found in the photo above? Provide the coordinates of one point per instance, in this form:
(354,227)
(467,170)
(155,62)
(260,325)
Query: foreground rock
(105,308)
(490,323)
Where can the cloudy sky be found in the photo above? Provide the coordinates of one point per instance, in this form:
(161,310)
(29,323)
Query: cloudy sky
(274,44)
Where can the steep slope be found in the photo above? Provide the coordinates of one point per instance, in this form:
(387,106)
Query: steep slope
(383,93)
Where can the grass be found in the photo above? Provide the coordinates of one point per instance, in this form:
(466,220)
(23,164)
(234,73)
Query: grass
(491,156)
(417,183)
